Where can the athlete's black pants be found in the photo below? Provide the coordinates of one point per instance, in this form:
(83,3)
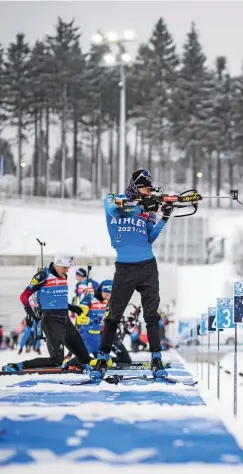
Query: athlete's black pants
(144,278)
(59,332)
(121,353)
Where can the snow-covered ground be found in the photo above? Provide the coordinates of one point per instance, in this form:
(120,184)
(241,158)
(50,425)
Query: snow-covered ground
(47,422)
(208,376)
(137,428)
(80,233)
(199,286)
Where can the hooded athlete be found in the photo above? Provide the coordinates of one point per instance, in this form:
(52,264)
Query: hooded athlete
(131,223)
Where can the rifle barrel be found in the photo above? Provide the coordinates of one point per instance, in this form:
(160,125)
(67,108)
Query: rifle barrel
(217,197)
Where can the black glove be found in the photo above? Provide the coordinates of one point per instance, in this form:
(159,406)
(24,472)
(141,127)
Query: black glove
(149,204)
(30,316)
(167,211)
(38,314)
(75,309)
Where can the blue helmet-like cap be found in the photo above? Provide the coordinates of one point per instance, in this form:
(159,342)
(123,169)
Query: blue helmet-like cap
(106,286)
(81,272)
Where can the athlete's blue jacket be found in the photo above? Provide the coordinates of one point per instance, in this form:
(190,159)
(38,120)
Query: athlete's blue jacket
(93,313)
(82,288)
(52,291)
(132,230)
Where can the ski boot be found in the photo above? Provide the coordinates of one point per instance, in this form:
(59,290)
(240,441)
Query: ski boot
(101,366)
(13,367)
(93,362)
(84,368)
(74,365)
(157,366)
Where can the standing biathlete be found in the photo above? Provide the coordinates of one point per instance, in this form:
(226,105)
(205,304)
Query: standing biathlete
(51,287)
(133,229)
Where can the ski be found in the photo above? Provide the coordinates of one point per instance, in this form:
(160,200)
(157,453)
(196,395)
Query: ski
(116,379)
(41,372)
(137,366)
(59,370)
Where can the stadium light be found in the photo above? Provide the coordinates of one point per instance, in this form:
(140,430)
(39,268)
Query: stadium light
(109,59)
(97,38)
(129,35)
(126,58)
(112,37)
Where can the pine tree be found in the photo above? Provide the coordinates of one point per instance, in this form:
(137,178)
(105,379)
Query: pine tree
(61,47)
(56,165)
(6,152)
(18,92)
(78,105)
(237,121)
(98,83)
(192,102)
(223,113)
(157,77)
(42,91)
(3,84)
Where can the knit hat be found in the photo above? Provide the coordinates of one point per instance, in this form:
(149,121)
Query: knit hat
(106,286)
(142,179)
(63,260)
(81,272)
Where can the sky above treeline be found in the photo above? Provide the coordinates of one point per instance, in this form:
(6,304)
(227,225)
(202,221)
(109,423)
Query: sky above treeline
(219,23)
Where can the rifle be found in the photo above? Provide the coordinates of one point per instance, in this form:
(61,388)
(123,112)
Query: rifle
(88,274)
(42,244)
(38,332)
(122,329)
(186,199)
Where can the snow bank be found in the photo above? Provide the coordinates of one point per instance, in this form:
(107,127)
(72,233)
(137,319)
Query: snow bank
(227,363)
(199,286)
(78,233)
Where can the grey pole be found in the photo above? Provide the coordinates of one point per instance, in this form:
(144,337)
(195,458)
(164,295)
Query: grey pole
(218,367)
(209,360)
(235,371)
(122,144)
(63,141)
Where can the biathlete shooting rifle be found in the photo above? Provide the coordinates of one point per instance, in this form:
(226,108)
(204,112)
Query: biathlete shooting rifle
(187,199)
